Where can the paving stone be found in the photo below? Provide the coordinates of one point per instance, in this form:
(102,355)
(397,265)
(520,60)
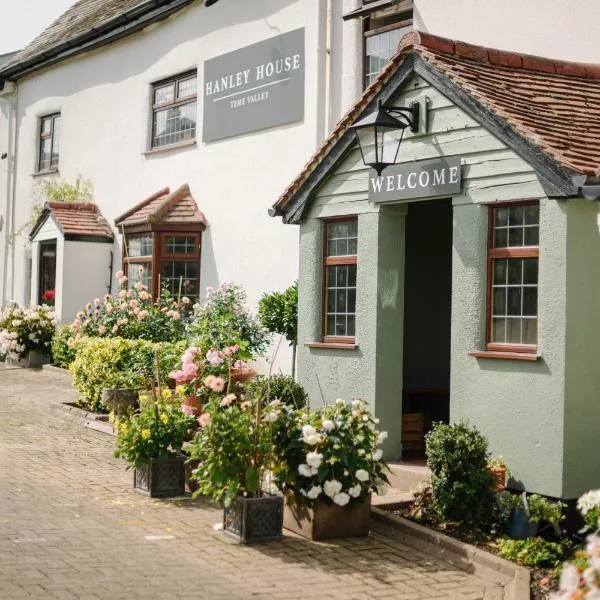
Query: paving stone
(71,527)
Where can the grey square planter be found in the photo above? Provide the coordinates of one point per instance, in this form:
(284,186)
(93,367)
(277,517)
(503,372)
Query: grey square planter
(161,478)
(252,520)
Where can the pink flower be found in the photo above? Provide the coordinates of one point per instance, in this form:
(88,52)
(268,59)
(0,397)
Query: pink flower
(188,410)
(107,298)
(133,303)
(123,280)
(216,384)
(136,310)
(138,286)
(109,308)
(89,306)
(189,355)
(101,330)
(80,314)
(214,358)
(239,364)
(119,274)
(179,376)
(123,294)
(115,328)
(129,294)
(143,295)
(175,315)
(97,301)
(228,400)
(231,350)
(204,419)
(191,370)
(185,300)
(143,314)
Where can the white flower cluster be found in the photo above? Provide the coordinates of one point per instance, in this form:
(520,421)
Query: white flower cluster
(588,501)
(23,328)
(573,582)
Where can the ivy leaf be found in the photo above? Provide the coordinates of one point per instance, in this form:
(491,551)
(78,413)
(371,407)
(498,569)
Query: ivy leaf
(252,480)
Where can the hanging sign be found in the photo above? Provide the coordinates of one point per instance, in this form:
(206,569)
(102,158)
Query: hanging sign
(256,87)
(422,179)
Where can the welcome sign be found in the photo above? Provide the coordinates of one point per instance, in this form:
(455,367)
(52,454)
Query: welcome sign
(436,177)
(254,88)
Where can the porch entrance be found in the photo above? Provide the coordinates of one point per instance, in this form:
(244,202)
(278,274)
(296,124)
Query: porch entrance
(427,315)
(47,272)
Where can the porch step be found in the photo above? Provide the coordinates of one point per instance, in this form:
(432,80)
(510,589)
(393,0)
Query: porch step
(406,477)
(393,500)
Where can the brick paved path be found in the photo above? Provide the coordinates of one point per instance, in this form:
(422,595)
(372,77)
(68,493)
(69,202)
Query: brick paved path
(70,527)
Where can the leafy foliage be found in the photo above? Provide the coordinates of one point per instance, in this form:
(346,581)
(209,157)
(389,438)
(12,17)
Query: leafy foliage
(116,362)
(157,431)
(331,454)
(532,552)
(278,312)
(234,446)
(279,387)
(63,352)
(222,319)
(461,482)
(26,328)
(542,510)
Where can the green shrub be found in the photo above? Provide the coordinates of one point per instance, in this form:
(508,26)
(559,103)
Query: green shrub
(532,552)
(116,362)
(461,482)
(281,387)
(63,352)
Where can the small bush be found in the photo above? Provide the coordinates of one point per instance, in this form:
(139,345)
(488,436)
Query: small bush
(116,362)
(281,387)
(532,552)
(63,352)
(460,480)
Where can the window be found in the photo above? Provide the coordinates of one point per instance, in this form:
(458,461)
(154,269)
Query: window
(47,272)
(174,110)
(341,238)
(383,31)
(513,255)
(49,142)
(178,262)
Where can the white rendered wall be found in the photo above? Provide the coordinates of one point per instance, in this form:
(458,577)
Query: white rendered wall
(566,30)
(104,98)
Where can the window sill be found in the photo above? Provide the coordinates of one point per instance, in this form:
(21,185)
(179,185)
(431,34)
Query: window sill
(331,345)
(505,355)
(45,172)
(163,149)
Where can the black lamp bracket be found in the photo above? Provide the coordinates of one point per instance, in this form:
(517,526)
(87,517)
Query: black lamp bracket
(409,115)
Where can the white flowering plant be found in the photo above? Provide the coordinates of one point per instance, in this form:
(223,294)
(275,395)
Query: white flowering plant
(331,455)
(26,328)
(589,507)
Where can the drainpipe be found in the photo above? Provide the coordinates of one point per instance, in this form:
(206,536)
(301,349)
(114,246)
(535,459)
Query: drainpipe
(323,12)
(10,174)
(13,199)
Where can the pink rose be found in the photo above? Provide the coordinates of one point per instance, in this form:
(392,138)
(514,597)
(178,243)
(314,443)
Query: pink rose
(101,330)
(216,384)
(214,358)
(228,400)
(188,410)
(133,303)
(143,314)
(119,274)
(204,419)
(143,295)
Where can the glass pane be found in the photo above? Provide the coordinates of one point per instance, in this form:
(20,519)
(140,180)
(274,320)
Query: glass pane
(55,142)
(498,330)
(351,300)
(350,324)
(341,300)
(173,125)
(530,270)
(500,238)
(331,301)
(186,88)
(139,246)
(180,278)
(515,236)
(340,325)
(341,277)
(330,325)
(352,275)
(532,236)
(46,126)
(501,217)
(515,215)
(340,303)
(500,272)
(499,301)
(532,214)
(513,331)
(352,246)
(164,94)
(515,271)
(530,331)
(183,244)
(530,301)
(342,238)
(513,301)
(141,272)
(45,145)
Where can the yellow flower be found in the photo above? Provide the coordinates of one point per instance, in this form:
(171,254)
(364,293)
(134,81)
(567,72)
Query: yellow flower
(124,428)
(180,390)
(167,393)
(164,417)
(146,434)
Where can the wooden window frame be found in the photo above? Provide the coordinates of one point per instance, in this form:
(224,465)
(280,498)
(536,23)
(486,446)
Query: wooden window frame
(154,107)
(159,235)
(328,261)
(44,136)
(368,31)
(496,348)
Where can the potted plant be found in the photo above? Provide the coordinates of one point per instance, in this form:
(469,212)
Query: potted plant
(151,441)
(123,395)
(328,464)
(26,334)
(500,472)
(234,450)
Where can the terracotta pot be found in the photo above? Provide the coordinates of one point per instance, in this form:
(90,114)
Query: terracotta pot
(499,475)
(328,521)
(242,375)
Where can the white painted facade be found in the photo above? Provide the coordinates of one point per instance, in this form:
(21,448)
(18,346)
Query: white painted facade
(104,99)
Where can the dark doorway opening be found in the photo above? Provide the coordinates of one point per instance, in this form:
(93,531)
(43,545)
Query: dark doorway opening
(427,315)
(47,273)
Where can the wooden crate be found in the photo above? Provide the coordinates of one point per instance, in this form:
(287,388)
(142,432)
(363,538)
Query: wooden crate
(413,433)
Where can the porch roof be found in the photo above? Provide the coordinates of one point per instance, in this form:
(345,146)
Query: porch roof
(165,207)
(75,220)
(547,111)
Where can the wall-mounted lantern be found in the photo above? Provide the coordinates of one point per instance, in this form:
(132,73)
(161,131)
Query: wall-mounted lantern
(377,134)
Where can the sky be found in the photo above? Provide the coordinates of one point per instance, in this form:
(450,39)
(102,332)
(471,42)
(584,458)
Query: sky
(22,20)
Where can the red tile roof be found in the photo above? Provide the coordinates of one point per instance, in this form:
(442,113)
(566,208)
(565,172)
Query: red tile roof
(77,219)
(554,106)
(164,207)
